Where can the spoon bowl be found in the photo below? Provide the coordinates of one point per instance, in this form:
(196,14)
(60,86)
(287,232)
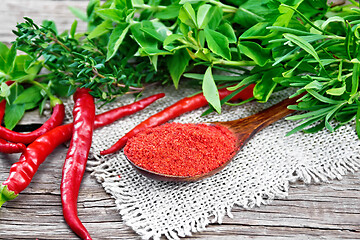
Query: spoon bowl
(243,129)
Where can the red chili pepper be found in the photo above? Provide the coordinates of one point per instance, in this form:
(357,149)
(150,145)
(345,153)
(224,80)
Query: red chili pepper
(3,103)
(55,120)
(9,147)
(5,146)
(184,105)
(2,108)
(22,172)
(76,159)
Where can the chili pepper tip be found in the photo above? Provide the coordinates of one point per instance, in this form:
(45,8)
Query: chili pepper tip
(6,194)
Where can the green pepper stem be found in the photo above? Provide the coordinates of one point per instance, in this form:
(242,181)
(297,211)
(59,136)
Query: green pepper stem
(6,194)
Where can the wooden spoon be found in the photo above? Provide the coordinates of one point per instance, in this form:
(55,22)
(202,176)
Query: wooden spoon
(244,129)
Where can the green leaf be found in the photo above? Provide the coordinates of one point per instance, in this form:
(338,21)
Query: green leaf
(247,18)
(78,13)
(4,50)
(264,88)
(332,19)
(210,90)
(259,30)
(91,7)
(227,30)
(73,28)
(331,114)
(285,14)
(5,90)
(172,38)
(115,15)
(187,15)
(10,59)
(169,12)
(13,114)
(316,85)
(299,41)
(203,16)
(218,43)
(101,29)
(322,98)
(216,17)
(141,37)
(177,64)
(254,51)
(116,38)
(31,94)
(336,91)
(355,79)
(156,30)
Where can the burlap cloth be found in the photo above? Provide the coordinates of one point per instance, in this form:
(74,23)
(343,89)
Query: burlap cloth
(260,173)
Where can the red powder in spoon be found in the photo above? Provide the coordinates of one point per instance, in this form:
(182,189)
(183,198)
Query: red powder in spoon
(181,149)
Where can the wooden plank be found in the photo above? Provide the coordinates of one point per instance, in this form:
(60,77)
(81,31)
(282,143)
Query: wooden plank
(13,11)
(325,211)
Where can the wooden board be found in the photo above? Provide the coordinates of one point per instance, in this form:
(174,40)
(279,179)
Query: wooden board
(326,211)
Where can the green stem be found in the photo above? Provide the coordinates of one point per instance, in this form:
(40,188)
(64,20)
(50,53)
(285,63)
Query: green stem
(6,194)
(235,63)
(53,100)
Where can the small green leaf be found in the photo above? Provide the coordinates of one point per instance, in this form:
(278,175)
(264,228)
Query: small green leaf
(264,88)
(78,13)
(203,15)
(285,14)
(155,30)
(259,30)
(247,18)
(227,30)
(13,114)
(5,90)
(216,17)
(116,38)
(322,98)
(169,12)
(336,91)
(31,94)
(255,52)
(115,15)
(73,28)
(218,43)
(10,59)
(332,19)
(210,90)
(91,7)
(355,79)
(299,41)
(177,64)
(4,50)
(187,15)
(101,29)
(314,85)
(172,38)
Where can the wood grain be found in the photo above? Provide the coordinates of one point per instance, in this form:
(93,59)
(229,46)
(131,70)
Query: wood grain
(326,211)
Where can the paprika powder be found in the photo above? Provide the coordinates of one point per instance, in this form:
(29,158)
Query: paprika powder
(181,149)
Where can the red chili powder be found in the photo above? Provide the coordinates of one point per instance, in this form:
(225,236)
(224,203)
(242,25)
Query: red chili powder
(181,149)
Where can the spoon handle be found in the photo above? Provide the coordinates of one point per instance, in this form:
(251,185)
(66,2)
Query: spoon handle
(246,127)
